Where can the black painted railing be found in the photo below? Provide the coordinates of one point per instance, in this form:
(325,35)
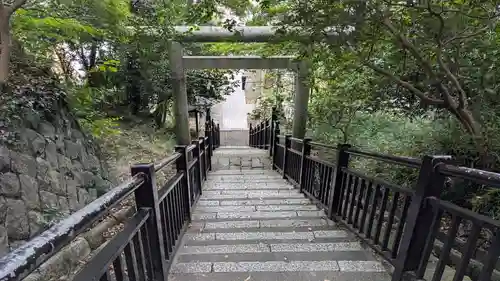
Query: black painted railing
(212,131)
(404,225)
(145,247)
(262,135)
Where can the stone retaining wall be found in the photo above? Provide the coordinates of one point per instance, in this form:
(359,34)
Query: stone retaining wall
(51,170)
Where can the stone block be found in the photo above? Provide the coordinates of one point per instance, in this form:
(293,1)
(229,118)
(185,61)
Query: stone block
(88,179)
(3,210)
(43,166)
(92,163)
(4,241)
(49,200)
(73,150)
(59,141)
(37,223)
(4,158)
(35,141)
(16,219)
(51,154)
(54,182)
(63,204)
(23,164)
(64,162)
(77,135)
(29,191)
(47,130)
(83,196)
(9,185)
(72,188)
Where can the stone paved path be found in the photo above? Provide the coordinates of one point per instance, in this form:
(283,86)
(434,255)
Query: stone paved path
(252,225)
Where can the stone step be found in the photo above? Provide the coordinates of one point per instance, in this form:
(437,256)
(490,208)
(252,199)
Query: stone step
(268,224)
(246,180)
(261,193)
(278,266)
(304,247)
(247,186)
(250,195)
(281,256)
(284,276)
(290,235)
(284,201)
(242,172)
(222,177)
(257,215)
(253,208)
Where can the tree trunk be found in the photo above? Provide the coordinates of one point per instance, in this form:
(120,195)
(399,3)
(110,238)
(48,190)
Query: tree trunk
(472,127)
(4,47)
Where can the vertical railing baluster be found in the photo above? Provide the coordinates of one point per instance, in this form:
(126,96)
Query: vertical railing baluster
(182,166)
(420,215)
(285,154)
(250,131)
(202,159)
(271,131)
(275,144)
(146,196)
(218,135)
(335,194)
(196,155)
(306,151)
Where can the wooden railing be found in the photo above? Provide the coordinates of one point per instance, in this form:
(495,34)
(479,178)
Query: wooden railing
(403,224)
(145,247)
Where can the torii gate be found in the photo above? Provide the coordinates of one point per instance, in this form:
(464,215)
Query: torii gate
(179,63)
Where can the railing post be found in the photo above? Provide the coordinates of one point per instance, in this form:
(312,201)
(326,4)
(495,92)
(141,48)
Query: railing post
(257,136)
(209,145)
(420,215)
(275,144)
(285,153)
(202,148)
(182,166)
(263,136)
(212,134)
(196,153)
(306,151)
(250,136)
(271,131)
(218,135)
(342,162)
(266,135)
(146,196)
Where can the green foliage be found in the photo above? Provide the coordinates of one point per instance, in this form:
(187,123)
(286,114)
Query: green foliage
(84,101)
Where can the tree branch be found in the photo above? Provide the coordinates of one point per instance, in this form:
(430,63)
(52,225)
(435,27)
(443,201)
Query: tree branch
(423,96)
(467,36)
(462,97)
(407,44)
(16,5)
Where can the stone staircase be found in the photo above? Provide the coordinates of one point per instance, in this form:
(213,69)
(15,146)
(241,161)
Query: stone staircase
(253,225)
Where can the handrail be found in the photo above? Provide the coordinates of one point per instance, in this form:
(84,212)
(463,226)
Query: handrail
(297,140)
(23,260)
(167,161)
(483,177)
(313,143)
(401,160)
(191,147)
